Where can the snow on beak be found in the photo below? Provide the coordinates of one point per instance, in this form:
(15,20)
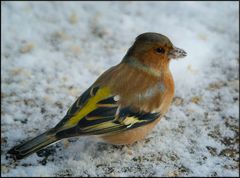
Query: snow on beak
(176,53)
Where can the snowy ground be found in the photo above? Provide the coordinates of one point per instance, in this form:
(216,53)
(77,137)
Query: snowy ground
(52,51)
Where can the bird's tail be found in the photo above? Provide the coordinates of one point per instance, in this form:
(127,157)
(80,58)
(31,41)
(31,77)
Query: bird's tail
(33,145)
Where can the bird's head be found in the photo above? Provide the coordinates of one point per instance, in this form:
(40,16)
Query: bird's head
(153,50)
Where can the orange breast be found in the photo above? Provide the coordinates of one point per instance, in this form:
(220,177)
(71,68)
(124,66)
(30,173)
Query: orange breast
(132,82)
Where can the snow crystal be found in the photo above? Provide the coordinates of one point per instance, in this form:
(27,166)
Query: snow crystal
(52,52)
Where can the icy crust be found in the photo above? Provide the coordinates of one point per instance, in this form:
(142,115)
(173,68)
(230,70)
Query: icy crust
(52,52)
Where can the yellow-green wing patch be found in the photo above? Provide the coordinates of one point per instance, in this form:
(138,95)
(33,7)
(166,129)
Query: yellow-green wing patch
(86,103)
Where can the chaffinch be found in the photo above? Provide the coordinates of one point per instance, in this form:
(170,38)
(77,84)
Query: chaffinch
(124,103)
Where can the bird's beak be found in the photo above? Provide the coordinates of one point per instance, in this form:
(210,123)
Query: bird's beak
(176,53)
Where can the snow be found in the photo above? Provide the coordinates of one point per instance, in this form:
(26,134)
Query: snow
(52,51)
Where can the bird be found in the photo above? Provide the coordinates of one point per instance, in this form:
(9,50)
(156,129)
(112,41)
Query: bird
(125,102)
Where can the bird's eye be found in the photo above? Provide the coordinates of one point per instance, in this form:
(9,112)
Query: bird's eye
(160,50)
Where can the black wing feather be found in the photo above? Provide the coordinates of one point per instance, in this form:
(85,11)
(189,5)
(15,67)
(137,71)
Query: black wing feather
(78,104)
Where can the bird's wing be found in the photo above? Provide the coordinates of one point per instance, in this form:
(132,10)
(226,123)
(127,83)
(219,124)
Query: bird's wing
(97,111)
